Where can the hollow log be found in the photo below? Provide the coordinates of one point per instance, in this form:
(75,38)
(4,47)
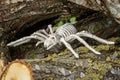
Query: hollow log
(20,18)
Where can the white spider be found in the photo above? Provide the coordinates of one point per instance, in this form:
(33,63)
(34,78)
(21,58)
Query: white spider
(62,35)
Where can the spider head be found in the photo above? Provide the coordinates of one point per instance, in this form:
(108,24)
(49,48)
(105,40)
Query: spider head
(50,41)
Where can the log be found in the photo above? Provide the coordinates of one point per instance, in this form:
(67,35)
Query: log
(19,16)
(1,66)
(17,70)
(64,66)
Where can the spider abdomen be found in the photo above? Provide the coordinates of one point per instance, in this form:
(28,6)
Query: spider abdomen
(66,30)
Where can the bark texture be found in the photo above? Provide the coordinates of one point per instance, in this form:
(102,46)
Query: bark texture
(19,18)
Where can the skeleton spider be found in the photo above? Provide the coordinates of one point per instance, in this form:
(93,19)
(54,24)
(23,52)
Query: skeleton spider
(62,35)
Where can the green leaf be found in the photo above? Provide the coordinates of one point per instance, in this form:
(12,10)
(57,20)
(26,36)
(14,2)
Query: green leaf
(60,23)
(73,19)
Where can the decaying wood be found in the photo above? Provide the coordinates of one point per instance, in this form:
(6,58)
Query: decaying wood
(106,6)
(17,70)
(18,15)
(28,8)
(15,14)
(1,66)
(64,66)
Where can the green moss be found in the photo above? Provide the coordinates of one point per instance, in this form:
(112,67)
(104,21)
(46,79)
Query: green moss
(97,68)
(93,76)
(90,60)
(108,58)
(112,59)
(65,52)
(49,78)
(82,49)
(54,59)
(78,79)
(116,61)
(103,47)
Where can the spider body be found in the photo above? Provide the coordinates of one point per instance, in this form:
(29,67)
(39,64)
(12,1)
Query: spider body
(52,40)
(62,32)
(63,35)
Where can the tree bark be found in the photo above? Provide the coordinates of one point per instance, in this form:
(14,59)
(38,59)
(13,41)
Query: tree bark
(65,66)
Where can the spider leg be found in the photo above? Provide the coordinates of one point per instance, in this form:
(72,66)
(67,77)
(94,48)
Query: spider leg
(87,34)
(68,46)
(19,42)
(36,35)
(24,40)
(43,31)
(50,27)
(39,34)
(85,43)
(39,42)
